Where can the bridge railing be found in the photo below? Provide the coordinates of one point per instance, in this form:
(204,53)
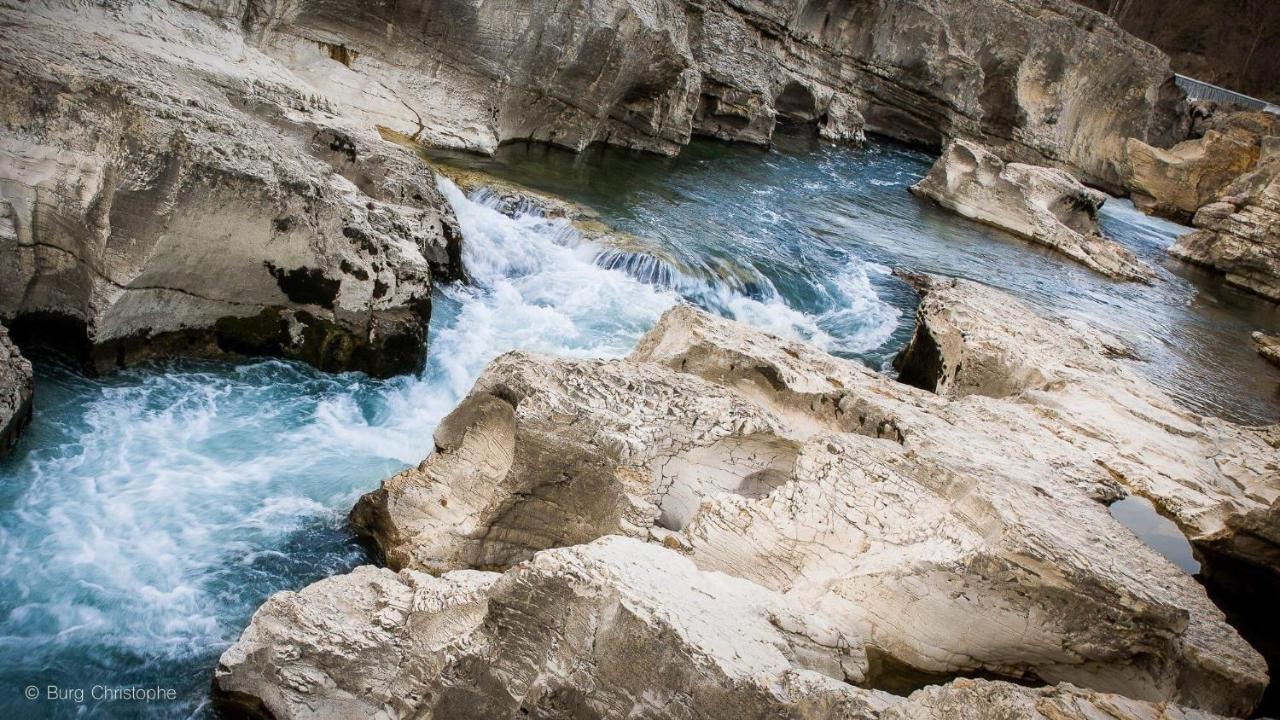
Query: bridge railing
(1200,90)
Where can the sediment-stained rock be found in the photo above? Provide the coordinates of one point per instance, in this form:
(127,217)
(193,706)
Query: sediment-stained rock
(16,389)
(1046,206)
(1239,234)
(959,531)
(615,628)
(1268,346)
(166,188)
(1059,85)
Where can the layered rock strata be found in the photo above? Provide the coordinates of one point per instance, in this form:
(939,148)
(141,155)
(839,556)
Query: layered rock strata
(1268,346)
(615,628)
(1046,206)
(1238,235)
(16,390)
(1059,85)
(958,529)
(1177,182)
(166,187)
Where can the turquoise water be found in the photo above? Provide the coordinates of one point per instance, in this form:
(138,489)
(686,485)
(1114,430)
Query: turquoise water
(147,514)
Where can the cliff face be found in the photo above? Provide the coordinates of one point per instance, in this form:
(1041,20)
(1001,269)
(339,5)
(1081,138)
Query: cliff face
(1232,43)
(212,174)
(1057,85)
(165,188)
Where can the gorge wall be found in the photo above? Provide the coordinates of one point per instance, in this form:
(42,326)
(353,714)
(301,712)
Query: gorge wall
(212,175)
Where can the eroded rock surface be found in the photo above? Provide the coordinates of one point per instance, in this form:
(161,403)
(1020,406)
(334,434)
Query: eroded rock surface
(1268,346)
(1059,85)
(16,389)
(165,186)
(615,628)
(985,700)
(958,531)
(1239,234)
(1043,205)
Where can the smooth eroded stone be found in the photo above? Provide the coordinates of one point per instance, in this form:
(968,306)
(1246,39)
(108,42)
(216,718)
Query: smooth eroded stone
(1043,205)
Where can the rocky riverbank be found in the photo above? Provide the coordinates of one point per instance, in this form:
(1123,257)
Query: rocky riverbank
(16,389)
(214,177)
(930,532)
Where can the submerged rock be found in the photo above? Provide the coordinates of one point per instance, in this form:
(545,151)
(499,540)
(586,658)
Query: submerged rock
(1043,205)
(166,188)
(16,389)
(1268,346)
(957,531)
(616,628)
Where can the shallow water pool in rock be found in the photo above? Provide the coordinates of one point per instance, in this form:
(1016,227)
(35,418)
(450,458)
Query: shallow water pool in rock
(148,513)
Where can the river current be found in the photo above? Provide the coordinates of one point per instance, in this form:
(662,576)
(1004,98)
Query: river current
(146,514)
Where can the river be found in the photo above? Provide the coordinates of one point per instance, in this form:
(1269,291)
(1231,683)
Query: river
(146,514)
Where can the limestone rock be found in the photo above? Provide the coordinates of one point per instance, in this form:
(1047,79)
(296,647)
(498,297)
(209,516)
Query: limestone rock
(616,628)
(1177,182)
(16,389)
(986,700)
(1268,346)
(166,187)
(1239,235)
(1059,85)
(958,532)
(1043,205)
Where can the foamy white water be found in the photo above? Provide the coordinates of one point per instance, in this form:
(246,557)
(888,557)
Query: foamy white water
(148,513)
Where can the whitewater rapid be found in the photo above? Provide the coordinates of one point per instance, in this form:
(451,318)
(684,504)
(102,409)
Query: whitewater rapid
(155,509)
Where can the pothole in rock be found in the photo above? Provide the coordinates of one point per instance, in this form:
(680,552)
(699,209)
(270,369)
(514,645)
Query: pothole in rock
(1157,531)
(751,466)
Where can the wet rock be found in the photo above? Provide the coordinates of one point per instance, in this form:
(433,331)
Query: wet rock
(1268,346)
(165,188)
(615,628)
(1239,234)
(1046,206)
(958,532)
(16,389)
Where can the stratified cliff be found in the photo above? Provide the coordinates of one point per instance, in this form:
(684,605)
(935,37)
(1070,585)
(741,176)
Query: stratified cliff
(1233,43)
(196,175)
(1055,85)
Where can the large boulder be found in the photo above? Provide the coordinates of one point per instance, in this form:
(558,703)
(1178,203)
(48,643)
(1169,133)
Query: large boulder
(1239,234)
(1059,85)
(165,187)
(1046,206)
(958,531)
(616,628)
(16,389)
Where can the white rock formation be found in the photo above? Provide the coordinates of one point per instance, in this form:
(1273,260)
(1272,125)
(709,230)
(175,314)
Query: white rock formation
(615,628)
(1043,205)
(958,532)
(985,700)
(1059,85)
(165,186)
(16,389)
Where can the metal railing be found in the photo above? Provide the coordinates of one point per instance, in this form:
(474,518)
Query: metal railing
(1199,90)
